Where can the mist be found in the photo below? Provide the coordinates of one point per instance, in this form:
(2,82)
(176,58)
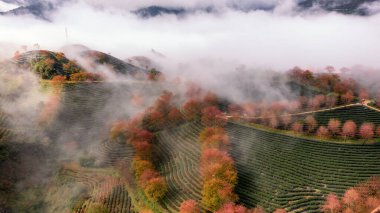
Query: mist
(279,39)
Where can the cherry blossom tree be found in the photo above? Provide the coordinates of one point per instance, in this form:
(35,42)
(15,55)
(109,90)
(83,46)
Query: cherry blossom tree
(349,129)
(297,127)
(286,119)
(189,206)
(323,132)
(348,97)
(332,204)
(366,131)
(311,123)
(334,126)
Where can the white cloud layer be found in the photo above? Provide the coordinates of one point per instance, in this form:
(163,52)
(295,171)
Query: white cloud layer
(207,41)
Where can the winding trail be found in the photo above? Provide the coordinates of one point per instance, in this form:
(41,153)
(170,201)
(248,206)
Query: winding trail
(364,104)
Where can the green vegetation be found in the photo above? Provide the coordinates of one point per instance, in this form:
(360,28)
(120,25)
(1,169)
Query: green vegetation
(279,171)
(179,152)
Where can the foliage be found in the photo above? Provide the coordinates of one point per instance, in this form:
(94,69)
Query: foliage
(332,204)
(334,126)
(139,166)
(212,116)
(349,129)
(86,76)
(155,188)
(216,193)
(189,206)
(192,109)
(366,131)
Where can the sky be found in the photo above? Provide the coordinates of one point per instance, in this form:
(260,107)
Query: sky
(279,39)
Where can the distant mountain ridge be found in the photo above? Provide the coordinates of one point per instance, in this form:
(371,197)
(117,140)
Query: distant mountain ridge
(42,9)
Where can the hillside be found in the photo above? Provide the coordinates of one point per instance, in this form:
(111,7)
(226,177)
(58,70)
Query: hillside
(48,64)
(296,174)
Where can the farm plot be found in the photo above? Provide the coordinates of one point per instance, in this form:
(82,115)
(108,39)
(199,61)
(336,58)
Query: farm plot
(178,151)
(358,113)
(278,171)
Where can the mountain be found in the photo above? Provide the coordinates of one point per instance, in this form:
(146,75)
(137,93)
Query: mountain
(39,10)
(43,9)
(339,6)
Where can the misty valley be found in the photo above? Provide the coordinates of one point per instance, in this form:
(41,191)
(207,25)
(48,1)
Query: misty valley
(191,106)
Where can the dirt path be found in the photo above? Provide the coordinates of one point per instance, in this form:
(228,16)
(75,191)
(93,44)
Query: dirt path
(303,113)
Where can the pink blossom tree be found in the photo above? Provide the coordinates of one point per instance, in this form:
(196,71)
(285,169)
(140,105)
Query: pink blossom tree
(349,129)
(332,204)
(366,131)
(334,126)
(323,132)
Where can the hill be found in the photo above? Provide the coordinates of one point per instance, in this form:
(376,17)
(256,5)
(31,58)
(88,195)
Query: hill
(278,171)
(48,64)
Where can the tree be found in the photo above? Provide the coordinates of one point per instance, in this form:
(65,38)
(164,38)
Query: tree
(334,126)
(142,148)
(210,99)
(331,99)
(332,204)
(118,129)
(216,193)
(189,206)
(192,110)
(232,208)
(286,120)
(297,127)
(366,131)
(348,97)
(351,197)
(349,129)
(139,166)
(317,102)
(212,116)
(155,189)
(175,116)
(273,122)
(323,132)
(311,123)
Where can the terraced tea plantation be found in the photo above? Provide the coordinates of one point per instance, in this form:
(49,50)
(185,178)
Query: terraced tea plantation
(358,113)
(278,171)
(179,153)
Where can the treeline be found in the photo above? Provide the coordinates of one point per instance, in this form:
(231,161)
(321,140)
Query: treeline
(139,132)
(365,197)
(217,167)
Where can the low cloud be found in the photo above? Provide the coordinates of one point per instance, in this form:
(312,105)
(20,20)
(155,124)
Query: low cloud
(277,39)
